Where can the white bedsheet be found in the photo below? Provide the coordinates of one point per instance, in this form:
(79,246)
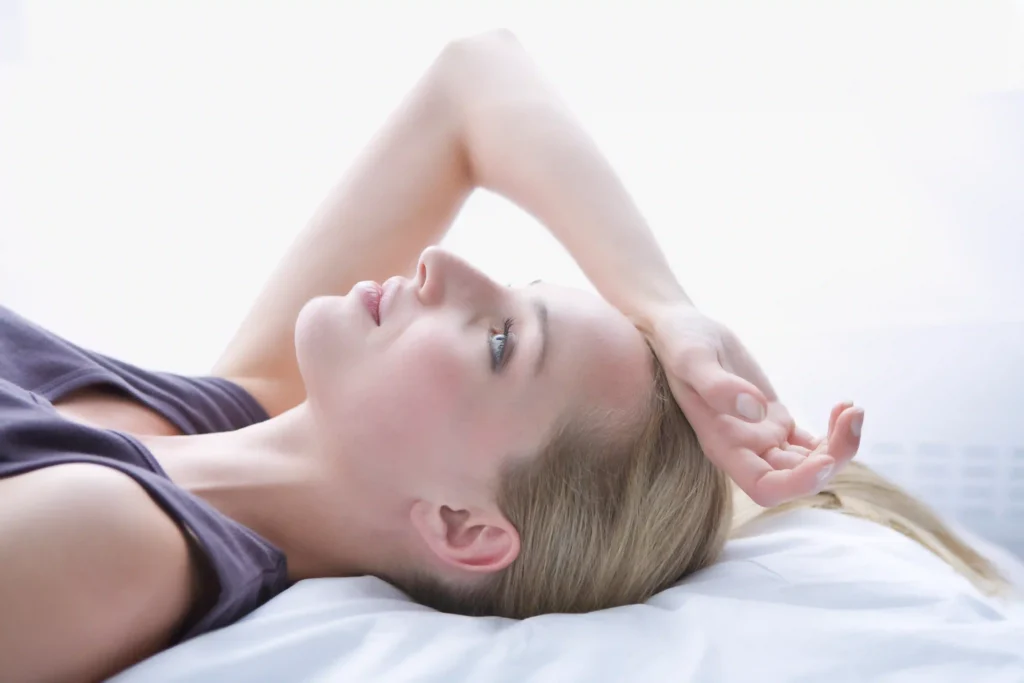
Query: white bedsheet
(815,596)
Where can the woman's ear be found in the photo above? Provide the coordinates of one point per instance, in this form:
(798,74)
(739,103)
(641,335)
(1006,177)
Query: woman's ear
(475,541)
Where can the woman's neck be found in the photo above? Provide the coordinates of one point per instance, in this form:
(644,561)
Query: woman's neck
(275,478)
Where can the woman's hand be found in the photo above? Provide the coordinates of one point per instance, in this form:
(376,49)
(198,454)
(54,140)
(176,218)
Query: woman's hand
(741,425)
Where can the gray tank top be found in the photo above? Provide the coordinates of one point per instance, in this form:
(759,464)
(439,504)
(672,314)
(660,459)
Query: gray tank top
(37,368)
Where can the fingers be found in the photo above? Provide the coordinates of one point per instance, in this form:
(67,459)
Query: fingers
(794,463)
(837,410)
(781,459)
(844,438)
(801,437)
(725,392)
(746,469)
(774,487)
(726,429)
(804,439)
(768,486)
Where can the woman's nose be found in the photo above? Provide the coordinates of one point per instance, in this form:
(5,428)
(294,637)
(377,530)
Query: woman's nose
(443,277)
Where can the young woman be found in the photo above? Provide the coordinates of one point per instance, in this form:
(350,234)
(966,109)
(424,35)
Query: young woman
(489,450)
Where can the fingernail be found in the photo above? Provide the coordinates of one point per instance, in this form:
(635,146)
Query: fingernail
(823,476)
(748,407)
(856,423)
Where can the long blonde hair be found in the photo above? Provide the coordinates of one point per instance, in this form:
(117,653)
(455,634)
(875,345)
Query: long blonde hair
(607,518)
(859,491)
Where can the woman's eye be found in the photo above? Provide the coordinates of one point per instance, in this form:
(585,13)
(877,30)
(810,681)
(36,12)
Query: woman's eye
(497,349)
(501,345)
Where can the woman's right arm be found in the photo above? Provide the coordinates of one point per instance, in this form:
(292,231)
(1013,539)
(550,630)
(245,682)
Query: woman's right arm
(94,576)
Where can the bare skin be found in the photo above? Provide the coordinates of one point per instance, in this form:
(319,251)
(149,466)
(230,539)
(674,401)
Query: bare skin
(107,410)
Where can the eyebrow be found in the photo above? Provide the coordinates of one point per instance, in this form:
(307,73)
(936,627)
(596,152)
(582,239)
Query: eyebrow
(542,317)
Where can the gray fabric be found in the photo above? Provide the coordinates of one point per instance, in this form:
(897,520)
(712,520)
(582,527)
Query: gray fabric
(38,368)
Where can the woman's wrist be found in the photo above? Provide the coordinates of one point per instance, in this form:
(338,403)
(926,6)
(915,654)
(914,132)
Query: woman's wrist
(648,313)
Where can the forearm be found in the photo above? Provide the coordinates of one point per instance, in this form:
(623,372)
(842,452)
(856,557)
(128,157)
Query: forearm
(480,116)
(400,196)
(523,143)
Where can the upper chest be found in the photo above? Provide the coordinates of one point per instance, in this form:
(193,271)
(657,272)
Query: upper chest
(106,409)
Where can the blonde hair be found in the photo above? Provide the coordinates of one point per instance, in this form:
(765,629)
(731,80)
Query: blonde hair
(607,518)
(859,491)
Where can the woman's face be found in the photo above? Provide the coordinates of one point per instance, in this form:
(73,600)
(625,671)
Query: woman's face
(459,374)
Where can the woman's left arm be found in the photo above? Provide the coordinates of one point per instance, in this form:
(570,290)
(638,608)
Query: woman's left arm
(481,116)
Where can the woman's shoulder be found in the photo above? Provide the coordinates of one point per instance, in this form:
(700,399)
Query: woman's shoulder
(114,393)
(123,584)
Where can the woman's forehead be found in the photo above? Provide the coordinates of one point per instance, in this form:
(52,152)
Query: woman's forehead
(593,347)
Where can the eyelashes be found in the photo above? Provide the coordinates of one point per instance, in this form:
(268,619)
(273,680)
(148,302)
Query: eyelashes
(501,345)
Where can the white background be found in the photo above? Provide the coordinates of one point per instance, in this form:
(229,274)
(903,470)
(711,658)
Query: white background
(811,169)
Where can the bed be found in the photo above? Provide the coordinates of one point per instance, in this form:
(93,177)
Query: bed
(815,596)
(811,596)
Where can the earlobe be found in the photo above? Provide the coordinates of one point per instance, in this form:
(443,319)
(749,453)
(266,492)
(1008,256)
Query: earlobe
(473,541)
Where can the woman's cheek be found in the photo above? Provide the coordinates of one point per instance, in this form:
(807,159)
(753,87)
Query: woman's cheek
(415,395)
(436,381)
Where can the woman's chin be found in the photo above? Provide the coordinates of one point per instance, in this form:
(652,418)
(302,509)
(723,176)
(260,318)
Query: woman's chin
(321,331)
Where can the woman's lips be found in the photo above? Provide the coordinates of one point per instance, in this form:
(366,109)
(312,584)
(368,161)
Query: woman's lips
(388,291)
(370,292)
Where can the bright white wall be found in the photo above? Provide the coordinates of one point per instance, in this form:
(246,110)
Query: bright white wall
(157,157)
(807,167)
